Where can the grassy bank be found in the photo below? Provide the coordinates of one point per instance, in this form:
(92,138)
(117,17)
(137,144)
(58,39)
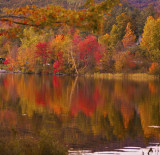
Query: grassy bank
(3,67)
(120,76)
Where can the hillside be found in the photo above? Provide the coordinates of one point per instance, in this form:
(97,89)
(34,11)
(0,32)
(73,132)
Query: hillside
(19,3)
(72,3)
(144,3)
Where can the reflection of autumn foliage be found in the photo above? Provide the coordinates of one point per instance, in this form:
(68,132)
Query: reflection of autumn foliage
(152,88)
(123,95)
(149,113)
(96,95)
(5,83)
(106,107)
(36,92)
(9,88)
(127,111)
(57,84)
(57,109)
(86,103)
(40,98)
(123,92)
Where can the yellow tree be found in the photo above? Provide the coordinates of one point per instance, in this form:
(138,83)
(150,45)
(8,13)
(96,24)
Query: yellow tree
(26,59)
(151,38)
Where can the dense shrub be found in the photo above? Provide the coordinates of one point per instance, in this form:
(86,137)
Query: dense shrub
(124,62)
(154,68)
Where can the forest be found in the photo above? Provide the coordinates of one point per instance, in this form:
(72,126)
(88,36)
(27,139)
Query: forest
(78,38)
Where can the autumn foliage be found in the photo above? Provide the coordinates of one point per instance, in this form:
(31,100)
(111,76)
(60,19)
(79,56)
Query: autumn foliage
(124,62)
(129,38)
(154,68)
(91,39)
(58,64)
(42,51)
(89,49)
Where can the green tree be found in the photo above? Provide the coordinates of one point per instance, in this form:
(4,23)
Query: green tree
(118,31)
(114,36)
(122,21)
(141,18)
(104,40)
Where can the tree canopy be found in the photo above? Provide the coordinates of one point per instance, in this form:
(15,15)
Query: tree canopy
(89,18)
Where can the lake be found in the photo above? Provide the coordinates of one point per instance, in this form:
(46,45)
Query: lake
(89,116)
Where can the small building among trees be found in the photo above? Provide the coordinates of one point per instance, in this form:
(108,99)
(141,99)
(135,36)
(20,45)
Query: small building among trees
(2,60)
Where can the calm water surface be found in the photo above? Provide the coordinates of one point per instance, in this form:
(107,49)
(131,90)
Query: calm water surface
(88,115)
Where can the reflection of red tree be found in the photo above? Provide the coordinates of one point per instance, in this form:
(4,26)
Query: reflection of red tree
(9,88)
(96,95)
(57,84)
(85,103)
(152,88)
(57,109)
(130,91)
(5,83)
(40,98)
(8,82)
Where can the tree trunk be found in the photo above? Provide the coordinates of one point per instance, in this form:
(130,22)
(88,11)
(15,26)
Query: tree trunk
(74,63)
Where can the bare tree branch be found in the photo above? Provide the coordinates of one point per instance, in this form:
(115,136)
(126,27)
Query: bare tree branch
(11,16)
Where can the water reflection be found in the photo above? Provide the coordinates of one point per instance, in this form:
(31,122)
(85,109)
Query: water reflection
(82,113)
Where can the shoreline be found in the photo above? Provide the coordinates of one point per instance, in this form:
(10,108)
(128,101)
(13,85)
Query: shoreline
(109,76)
